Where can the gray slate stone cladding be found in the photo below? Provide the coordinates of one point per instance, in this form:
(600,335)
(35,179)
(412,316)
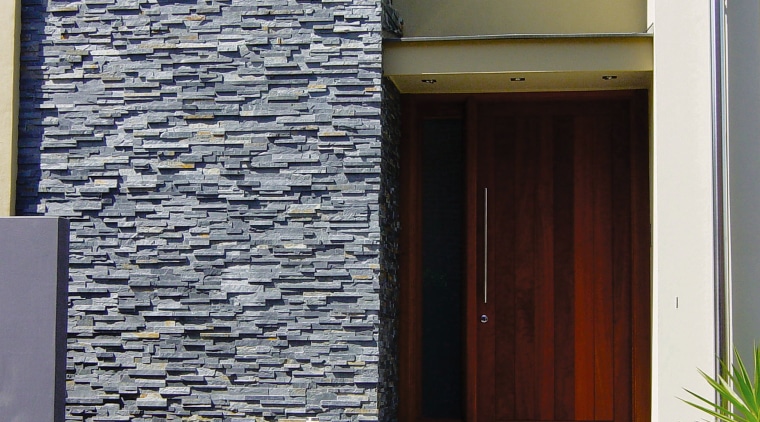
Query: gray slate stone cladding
(389,252)
(220,163)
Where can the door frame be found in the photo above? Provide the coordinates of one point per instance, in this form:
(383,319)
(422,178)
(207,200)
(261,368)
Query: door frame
(464,106)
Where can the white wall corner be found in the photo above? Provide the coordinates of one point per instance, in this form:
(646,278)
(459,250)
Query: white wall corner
(683,319)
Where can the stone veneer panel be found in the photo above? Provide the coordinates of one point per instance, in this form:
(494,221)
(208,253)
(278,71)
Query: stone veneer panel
(220,163)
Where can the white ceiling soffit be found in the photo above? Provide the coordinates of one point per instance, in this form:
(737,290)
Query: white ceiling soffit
(519,64)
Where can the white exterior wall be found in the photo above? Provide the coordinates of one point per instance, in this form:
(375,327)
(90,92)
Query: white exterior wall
(683,320)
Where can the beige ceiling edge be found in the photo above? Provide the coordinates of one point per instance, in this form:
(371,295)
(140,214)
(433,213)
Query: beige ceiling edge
(10,29)
(475,17)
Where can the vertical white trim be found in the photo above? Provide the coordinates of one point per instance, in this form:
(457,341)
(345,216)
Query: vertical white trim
(722,240)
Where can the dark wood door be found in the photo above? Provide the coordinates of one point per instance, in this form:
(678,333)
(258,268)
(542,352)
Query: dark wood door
(556,260)
(555,337)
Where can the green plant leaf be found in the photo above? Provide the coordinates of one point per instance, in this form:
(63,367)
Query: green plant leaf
(722,387)
(737,391)
(717,411)
(757,377)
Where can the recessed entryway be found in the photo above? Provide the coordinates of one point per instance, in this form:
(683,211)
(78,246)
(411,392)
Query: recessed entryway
(525,258)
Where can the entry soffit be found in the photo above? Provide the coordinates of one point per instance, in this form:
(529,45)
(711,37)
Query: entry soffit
(519,63)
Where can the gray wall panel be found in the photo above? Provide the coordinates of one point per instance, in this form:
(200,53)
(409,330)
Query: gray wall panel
(33,277)
(744,169)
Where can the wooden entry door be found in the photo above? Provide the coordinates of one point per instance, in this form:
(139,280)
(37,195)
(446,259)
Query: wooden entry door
(555,341)
(555,259)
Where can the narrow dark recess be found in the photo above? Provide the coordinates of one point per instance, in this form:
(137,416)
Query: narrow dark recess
(442,267)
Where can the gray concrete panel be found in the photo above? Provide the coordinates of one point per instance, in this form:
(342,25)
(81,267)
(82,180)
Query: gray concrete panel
(744,150)
(33,278)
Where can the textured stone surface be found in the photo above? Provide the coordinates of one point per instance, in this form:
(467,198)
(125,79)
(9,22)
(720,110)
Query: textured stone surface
(389,253)
(220,161)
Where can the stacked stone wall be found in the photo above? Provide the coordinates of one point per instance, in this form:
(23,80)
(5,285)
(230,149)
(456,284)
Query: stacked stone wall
(220,163)
(389,253)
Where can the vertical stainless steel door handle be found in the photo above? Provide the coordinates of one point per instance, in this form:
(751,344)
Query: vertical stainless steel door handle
(485,245)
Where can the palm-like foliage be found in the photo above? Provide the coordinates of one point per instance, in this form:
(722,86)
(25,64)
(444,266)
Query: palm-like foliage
(738,393)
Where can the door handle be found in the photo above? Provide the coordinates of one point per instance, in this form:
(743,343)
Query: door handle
(485,245)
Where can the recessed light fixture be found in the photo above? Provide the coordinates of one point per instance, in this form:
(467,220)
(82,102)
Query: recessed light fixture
(517,79)
(429,81)
(609,77)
